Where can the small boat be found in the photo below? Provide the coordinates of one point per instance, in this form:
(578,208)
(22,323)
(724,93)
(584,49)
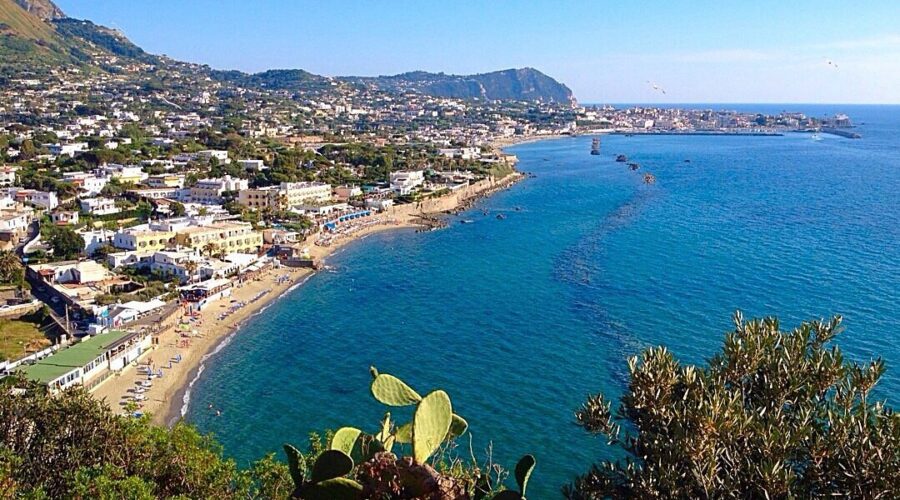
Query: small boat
(634,166)
(466,221)
(649,179)
(595,146)
(621,158)
(501,216)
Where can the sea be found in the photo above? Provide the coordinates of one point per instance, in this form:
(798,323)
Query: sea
(520,318)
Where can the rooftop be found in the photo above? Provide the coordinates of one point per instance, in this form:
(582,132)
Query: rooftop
(65,360)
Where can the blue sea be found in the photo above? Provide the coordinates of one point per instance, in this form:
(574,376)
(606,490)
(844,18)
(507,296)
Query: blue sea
(519,319)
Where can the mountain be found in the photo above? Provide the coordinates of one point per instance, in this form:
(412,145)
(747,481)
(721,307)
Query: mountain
(36,36)
(525,84)
(43,9)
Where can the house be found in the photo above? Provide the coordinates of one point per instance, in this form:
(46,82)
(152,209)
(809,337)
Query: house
(380,204)
(252,165)
(68,149)
(208,154)
(96,239)
(131,174)
(44,199)
(209,191)
(344,193)
(90,184)
(79,283)
(176,264)
(8,175)
(165,181)
(99,206)
(89,362)
(64,218)
(279,237)
(403,182)
(171,193)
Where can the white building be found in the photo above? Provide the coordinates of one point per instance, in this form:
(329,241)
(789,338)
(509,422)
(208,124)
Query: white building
(14,220)
(209,191)
(252,164)
(99,206)
(90,184)
(220,155)
(45,199)
(68,149)
(125,174)
(285,195)
(175,263)
(95,239)
(403,182)
(8,175)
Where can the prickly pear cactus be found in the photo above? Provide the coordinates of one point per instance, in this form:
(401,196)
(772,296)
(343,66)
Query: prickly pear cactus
(392,391)
(431,422)
(345,439)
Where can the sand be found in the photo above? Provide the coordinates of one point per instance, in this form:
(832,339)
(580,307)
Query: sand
(164,400)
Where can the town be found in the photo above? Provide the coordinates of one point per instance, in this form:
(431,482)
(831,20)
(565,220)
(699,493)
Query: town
(138,195)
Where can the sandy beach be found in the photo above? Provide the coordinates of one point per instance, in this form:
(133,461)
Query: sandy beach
(164,399)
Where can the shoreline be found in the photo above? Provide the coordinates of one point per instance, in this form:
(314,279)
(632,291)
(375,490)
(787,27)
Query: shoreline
(170,395)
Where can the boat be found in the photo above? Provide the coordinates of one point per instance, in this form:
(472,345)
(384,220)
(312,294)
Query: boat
(634,166)
(466,221)
(621,158)
(595,146)
(649,179)
(501,216)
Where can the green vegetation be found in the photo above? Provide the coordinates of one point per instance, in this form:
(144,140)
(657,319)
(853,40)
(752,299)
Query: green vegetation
(19,337)
(774,415)
(65,242)
(101,455)
(12,272)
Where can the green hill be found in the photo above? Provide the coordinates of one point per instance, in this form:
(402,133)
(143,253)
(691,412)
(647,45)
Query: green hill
(16,21)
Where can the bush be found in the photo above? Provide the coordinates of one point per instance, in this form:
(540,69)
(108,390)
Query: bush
(775,415)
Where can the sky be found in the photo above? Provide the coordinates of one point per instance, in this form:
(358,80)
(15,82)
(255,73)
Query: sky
(723,51)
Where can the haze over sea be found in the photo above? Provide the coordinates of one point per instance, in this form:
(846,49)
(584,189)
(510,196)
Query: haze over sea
(519,319)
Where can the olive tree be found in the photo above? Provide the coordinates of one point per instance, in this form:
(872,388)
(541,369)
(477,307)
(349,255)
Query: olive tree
(776,414)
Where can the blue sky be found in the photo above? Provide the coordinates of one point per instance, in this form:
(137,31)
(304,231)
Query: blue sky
(606,51)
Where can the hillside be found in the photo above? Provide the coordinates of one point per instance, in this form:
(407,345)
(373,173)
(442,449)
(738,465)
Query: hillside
(43,9)
(525,84)
(36,36)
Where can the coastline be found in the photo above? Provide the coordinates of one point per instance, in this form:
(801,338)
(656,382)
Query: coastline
(169,396)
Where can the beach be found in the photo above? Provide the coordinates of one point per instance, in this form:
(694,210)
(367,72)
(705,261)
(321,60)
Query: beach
(181,353)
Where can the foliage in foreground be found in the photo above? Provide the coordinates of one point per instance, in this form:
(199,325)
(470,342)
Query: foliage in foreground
(335,475)
(774,415)
(71,446)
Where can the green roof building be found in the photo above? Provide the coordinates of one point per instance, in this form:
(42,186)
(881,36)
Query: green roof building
(81,362)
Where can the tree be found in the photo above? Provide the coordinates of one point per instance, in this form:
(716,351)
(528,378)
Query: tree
(774,415)
(210,248)
(177,209)
(191,267)
(65,242)
(11,269)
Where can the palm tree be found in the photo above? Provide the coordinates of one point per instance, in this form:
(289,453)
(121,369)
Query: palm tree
(191,267)
(210,248)
(10,266)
